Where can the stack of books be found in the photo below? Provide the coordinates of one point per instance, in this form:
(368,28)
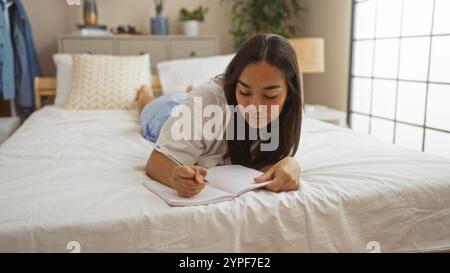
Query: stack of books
(90,30)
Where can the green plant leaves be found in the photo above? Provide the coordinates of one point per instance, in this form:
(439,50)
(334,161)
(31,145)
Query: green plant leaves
(252,17)
(197,14)
(159,5)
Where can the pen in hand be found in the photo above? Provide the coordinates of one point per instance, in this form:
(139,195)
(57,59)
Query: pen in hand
(197,177)
(179,163)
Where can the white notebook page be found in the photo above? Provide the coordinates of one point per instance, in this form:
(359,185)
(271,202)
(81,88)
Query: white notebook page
(234,179)
(207,196)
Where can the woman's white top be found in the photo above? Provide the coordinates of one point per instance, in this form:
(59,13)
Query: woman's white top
(200,150)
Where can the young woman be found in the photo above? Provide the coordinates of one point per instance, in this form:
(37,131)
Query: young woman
(264,72)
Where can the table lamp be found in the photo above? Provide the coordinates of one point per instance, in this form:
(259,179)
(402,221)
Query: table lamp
(310,54)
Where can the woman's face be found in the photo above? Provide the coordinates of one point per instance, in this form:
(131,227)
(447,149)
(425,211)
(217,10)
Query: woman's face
(261,86)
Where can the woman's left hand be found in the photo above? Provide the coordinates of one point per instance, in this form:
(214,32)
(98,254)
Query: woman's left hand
(285,176)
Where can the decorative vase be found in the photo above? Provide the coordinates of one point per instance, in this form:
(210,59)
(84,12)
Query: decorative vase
(191,28)
(159,25)
(90,13)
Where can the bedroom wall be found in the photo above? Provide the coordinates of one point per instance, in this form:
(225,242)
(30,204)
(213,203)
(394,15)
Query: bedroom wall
(50,18)
(330,19)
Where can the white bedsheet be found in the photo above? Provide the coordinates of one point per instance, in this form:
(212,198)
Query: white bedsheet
(77,176)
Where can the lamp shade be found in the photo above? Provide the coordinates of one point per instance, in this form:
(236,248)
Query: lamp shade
(310,54)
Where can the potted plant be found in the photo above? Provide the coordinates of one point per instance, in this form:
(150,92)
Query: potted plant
(159,23)
(191,20)
(249,18)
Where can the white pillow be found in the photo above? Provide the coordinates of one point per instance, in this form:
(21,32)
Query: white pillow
(63,63)
(179,75)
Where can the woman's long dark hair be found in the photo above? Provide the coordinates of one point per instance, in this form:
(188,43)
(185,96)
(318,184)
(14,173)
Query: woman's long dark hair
(278,52)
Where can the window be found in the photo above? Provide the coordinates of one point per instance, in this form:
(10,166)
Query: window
(400,73)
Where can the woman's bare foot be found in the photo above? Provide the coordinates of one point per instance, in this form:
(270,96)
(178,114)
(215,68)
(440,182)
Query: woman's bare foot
(189,89)
(143,91)
(143,97)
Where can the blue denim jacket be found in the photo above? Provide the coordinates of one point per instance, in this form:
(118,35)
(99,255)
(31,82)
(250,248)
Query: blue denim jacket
(7,81)
(26,60)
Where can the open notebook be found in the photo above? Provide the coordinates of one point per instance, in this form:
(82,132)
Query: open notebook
(225,183)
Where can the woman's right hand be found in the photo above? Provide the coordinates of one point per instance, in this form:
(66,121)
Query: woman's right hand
(188,181)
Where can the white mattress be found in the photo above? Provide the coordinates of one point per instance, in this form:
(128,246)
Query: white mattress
(77,176)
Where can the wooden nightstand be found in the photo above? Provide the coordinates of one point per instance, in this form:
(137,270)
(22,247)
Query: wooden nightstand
(7,127)
(326,114)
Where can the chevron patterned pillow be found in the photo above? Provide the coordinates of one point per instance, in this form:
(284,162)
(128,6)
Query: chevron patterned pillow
(107,82)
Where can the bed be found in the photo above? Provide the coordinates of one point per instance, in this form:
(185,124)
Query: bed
(76,176)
